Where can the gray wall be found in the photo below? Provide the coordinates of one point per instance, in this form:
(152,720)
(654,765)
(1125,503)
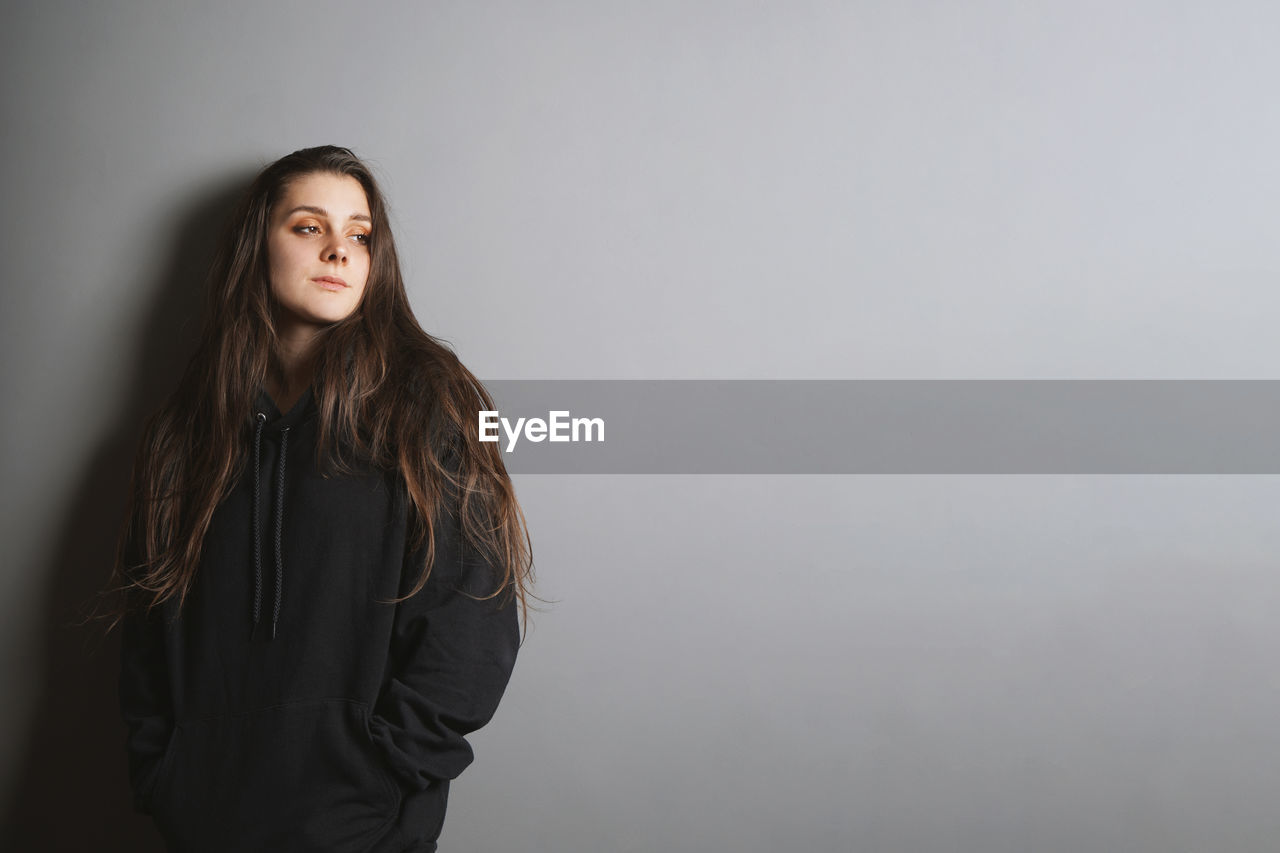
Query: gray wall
(711,190)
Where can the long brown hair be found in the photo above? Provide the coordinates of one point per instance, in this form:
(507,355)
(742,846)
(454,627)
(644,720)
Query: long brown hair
(388,394)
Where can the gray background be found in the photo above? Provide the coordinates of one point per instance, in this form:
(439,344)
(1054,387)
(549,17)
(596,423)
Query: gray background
(669,190)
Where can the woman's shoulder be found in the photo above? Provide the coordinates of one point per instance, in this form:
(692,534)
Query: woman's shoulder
(430,392)
(440,378)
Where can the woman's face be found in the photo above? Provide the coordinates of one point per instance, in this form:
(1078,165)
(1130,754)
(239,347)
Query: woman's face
(318,251)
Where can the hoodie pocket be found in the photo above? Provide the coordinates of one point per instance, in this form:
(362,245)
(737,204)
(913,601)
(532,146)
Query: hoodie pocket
(301,776)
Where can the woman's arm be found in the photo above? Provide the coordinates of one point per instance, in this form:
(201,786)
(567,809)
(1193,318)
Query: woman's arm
(145,701)
(451,658)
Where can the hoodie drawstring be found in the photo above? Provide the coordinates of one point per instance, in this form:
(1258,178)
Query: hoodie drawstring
(257,535)
(284,445)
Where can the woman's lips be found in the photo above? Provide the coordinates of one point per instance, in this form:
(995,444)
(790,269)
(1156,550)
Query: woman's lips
(330,282)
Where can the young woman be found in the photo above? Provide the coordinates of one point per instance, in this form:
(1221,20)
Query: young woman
(322,565)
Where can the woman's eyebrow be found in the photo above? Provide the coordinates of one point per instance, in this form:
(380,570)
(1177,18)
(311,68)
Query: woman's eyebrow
(320,211)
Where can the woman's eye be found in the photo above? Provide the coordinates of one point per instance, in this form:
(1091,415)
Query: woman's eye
(307,229)
(362,239)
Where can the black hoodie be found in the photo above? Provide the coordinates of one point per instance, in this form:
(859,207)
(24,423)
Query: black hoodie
(288,709)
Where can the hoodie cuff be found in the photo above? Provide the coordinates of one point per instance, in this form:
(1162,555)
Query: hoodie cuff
(395,747)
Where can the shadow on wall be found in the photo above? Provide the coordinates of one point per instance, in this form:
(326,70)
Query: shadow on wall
(72,791)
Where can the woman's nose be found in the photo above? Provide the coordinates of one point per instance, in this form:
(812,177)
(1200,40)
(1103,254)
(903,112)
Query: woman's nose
(335,252)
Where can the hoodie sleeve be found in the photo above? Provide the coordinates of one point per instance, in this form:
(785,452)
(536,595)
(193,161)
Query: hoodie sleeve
(145,702)
(450,661)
